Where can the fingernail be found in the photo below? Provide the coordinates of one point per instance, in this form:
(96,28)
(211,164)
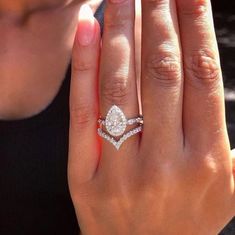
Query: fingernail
(86,25)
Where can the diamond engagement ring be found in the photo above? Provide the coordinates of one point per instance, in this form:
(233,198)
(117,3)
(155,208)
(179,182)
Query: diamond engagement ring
(115,124)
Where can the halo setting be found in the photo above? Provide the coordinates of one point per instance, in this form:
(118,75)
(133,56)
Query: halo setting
(115,121)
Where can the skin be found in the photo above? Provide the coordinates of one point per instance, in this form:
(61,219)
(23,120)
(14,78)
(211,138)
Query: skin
(28,28)
(179,172)
(178,176)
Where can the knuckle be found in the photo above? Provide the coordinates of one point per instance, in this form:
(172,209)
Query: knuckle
(205,168)
(117,20)
(82,115)
(203,69)
(165,68)
(82,66)
(196,9)
(115,90)
(120,24)
(156,3)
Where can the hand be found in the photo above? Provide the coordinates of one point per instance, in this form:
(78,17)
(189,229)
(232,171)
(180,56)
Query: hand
(177,176)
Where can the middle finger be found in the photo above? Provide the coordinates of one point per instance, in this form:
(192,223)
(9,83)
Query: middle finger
(162,80)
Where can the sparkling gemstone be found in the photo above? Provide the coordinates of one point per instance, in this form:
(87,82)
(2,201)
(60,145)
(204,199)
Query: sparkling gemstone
(118,143)
(115,121)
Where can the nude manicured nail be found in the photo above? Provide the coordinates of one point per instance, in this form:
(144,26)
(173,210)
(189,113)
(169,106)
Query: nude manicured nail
(86,25)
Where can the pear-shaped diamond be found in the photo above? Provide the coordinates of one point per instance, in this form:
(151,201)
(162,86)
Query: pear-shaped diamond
(115,121)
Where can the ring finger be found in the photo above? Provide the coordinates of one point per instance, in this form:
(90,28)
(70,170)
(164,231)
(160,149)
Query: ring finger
(117,75)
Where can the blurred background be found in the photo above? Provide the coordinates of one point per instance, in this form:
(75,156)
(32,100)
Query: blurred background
(224,17)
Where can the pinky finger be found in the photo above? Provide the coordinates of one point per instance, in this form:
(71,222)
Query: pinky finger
(83,142)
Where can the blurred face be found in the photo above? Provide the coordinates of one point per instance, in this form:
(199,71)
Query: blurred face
(29,5)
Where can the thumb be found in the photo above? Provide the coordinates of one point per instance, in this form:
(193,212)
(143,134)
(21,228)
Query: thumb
(83,141)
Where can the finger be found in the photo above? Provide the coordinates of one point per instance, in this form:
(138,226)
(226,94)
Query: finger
(233,176)
(83,144)
(233,160)
(162,79)
(117,69)
(138,33)
(204,114)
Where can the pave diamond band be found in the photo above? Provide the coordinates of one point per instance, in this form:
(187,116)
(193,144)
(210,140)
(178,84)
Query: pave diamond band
(138,120)
(115,124)
(117,144)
